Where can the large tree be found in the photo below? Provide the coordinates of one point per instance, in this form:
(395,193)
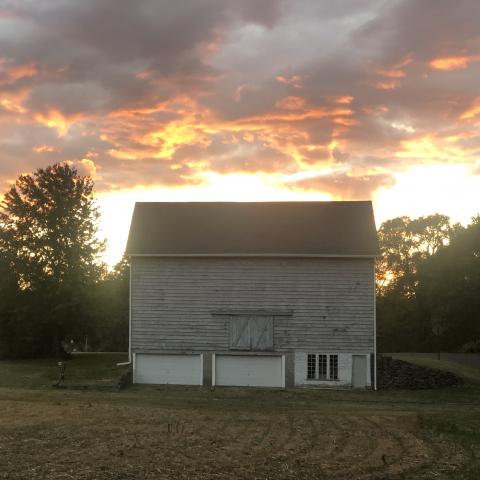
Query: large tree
(404,244)
(449,290)
(428,282)
(48,231)
(10,299)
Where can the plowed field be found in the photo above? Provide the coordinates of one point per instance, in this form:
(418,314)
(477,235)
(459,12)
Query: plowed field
(138,435)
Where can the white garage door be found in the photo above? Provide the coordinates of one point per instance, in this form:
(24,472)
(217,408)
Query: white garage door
(249,370)
(168,369)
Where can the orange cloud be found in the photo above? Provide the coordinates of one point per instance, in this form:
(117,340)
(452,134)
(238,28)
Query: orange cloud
(29,70)
(10,74)
(375,110)
(391,73)
(386,85)
(55,119)
(473,111)
(13,101)
(296,117)
(124,154)
(291,103)
(132,112)
(44,149)
(87,167)
(348,122)
(396,70)
(429,148)
(294,81)
(169,138)
(345,99)
(453,62)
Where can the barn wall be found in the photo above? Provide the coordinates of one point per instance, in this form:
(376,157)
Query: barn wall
(344,371)
(174,301)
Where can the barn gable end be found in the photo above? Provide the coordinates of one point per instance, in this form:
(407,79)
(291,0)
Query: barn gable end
(280,311)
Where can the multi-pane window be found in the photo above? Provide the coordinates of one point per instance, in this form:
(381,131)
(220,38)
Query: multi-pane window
(333,367)
(322,367)
(311,367)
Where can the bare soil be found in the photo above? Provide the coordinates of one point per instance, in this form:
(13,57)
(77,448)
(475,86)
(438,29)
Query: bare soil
(104,437)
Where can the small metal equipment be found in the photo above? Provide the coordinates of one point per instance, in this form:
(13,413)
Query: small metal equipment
(62,366)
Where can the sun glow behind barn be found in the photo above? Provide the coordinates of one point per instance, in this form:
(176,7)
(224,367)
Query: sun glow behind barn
(227,100)
(427,189)
(116,208)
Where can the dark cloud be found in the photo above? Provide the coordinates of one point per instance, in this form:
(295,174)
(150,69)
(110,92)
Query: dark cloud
(423,29)
(158,92)
(93,53)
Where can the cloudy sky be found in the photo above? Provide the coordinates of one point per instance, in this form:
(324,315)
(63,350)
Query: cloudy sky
(246,100)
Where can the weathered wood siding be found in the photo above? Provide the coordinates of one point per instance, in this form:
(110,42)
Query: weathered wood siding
(330,299)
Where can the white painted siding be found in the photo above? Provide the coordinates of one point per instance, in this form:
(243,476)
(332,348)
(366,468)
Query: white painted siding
(331,300)
(344,370)
(249,370)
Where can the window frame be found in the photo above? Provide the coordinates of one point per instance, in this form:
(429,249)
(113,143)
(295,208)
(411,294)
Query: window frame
(322,366)
(311,366)
(333,367)
(325,367)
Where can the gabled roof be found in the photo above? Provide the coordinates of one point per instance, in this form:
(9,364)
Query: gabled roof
(253,228)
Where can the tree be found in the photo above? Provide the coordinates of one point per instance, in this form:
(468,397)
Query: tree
(48,229)
(396,251)
(449,286)
(430,233)
(112,309)
(404,244)
(9,300)
(404,319)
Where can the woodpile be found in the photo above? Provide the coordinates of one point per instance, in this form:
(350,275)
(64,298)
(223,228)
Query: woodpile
(393,374)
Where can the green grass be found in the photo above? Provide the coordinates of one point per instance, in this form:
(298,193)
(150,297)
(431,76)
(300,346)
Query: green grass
(462,424)
(463,427)
(91,368)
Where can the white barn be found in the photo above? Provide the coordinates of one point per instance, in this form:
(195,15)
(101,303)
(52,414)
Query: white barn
(273,294)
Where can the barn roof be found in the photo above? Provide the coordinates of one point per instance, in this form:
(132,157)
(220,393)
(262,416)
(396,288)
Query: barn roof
(253,228)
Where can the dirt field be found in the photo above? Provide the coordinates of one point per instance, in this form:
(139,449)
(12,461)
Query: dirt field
(197,433)
(186,433)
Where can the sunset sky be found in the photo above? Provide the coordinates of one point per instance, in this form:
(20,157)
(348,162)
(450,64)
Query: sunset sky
(246,100)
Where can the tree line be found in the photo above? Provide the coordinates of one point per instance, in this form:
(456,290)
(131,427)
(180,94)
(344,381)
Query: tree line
(428,285)
(55,290)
